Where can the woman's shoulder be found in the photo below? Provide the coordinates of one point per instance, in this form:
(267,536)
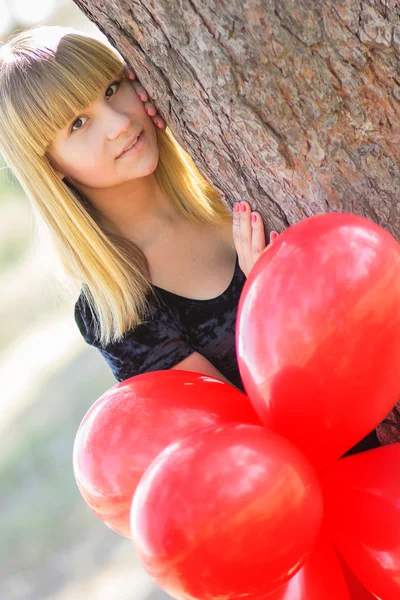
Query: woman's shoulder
(156,315)
(85,318)
(156,343)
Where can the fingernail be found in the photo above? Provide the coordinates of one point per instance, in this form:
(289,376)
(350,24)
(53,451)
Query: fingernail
(243,207)
(273,236)
(236,207)
(254,218)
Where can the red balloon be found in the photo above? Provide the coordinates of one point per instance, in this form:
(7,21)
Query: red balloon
(356,589)
(321,577)
(318,333)
(132,422)
(362,507)
(226,512)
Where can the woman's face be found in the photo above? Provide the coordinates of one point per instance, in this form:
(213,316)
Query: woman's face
(88,150)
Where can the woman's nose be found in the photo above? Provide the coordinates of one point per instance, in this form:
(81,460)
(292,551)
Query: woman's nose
(117,123)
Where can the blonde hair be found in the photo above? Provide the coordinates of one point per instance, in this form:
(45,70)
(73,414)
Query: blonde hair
(48,75)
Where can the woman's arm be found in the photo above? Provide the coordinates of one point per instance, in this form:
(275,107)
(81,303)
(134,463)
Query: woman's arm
(199,364)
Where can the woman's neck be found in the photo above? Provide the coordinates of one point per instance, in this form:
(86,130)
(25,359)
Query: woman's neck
(140,211)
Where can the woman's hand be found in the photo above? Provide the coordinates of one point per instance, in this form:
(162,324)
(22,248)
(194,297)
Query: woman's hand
(248,235)
(148,106)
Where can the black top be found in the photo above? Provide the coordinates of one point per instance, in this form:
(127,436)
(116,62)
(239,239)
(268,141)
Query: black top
(178,327)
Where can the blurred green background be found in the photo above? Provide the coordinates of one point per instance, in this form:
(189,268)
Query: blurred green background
(52,545)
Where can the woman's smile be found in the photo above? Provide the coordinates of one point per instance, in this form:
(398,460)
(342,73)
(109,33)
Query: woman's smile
(137,146)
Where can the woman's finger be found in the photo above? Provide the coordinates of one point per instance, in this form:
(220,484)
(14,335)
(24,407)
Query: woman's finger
(156,118)
(272,236)
(140,90)
(129,72)
(159,122)
(236,226)
(150,109)
(258,237)
(245,236)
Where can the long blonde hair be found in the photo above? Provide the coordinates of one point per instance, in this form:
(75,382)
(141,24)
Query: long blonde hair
(48,75)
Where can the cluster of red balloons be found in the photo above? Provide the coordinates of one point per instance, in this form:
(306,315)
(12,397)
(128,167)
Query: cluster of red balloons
(228,495)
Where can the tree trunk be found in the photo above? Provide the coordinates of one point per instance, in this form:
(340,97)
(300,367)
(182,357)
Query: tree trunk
(292,105)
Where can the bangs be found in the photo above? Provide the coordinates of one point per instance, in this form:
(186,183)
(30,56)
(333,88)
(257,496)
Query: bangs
(43,88)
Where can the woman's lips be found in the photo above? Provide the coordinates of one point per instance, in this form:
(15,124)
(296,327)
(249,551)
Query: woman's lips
(135,147)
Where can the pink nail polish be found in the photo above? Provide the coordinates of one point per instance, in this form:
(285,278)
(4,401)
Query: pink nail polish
(254,218)
(243,207)
(236,207)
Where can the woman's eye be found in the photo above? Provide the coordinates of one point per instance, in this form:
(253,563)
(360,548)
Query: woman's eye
(111,87)
(79,122)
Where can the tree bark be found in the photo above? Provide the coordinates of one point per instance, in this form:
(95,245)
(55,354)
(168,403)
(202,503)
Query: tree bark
(292,105)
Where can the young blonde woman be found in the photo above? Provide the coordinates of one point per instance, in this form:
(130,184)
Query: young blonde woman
(159,262)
